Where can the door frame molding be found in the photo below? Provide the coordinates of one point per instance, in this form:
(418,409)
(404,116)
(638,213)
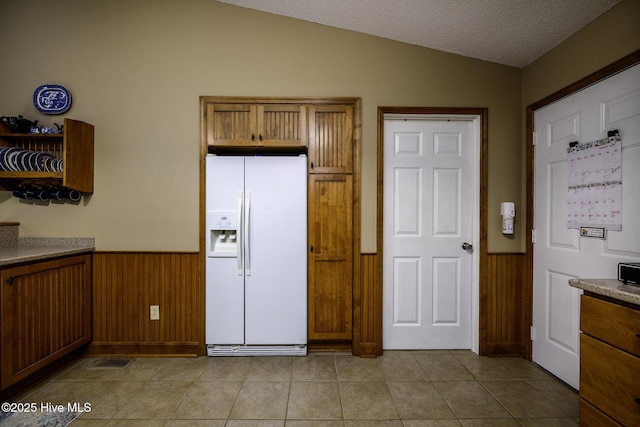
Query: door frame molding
(591,79)
(482,113)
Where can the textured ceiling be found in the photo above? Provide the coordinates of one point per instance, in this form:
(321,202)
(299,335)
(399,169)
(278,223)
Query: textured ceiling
(510,32)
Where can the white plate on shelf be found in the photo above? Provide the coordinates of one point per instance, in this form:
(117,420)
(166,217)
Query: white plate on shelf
(32,161)
(23,160)
(12,160)
(4,153)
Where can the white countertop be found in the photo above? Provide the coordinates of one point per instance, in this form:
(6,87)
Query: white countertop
(609,287)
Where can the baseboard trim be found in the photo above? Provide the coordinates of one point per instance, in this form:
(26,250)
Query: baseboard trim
(166,349)
(370,349)
(503,349)
(319,346)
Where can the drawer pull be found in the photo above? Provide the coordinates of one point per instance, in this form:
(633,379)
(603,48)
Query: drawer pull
(10,280)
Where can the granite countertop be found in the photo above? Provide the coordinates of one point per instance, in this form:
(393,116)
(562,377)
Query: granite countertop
(39,248)
(611,288)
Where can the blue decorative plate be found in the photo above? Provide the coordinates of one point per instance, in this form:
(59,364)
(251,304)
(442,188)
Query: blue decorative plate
(52,99)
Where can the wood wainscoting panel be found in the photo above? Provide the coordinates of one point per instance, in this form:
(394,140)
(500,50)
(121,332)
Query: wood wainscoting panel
(126,284)
(367,308)
(501,302)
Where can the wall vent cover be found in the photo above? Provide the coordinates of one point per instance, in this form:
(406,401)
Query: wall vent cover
(110,363)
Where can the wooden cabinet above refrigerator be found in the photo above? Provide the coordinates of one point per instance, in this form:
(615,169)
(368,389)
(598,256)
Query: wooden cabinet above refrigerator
(244,124)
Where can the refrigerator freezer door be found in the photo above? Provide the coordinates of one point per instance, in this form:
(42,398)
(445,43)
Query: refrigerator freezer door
(224,293)
(224,301)
(276,290)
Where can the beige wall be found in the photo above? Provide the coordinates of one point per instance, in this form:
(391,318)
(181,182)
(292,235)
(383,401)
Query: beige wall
(613,35)
(135,70)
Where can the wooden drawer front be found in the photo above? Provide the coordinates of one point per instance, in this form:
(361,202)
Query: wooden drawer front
(611,323)
(609,380)
(590,416)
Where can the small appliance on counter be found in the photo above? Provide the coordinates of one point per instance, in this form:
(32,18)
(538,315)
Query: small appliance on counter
(629,273)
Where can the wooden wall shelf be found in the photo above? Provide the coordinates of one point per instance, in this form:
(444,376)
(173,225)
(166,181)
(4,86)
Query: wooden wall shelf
(74,147)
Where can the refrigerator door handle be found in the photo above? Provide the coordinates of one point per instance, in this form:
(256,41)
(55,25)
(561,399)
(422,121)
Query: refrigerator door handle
(247,236)
(239,233)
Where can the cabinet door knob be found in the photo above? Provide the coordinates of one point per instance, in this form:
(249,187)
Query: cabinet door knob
(311,165)
(311,248)
(253,137)
(638,400)
(260,137)
(10,280)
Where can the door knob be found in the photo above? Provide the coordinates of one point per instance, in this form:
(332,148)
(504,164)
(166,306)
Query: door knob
(467,246)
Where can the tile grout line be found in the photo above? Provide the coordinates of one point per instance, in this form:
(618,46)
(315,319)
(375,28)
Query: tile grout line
(440,393)
(286,406)
(488,391)
(335,367)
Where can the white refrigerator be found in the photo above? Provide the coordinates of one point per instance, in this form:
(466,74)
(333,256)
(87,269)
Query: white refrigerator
(256,249)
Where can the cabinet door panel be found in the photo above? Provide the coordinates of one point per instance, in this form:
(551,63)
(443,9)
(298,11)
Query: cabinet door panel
(331,300)
(282,125)
(46,313)
(330,257)
(331,138)
(231,125)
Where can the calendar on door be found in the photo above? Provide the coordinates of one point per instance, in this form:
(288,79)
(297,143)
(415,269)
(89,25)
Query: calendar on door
(595,183)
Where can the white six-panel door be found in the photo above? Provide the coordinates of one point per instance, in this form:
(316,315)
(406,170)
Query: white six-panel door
(428,214)
(559,253)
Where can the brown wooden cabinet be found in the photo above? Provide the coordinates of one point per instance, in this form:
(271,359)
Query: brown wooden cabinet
(330,257)
(609,363)
(247,125)
(46,314)
(74,147)
(331,138)
(331,222)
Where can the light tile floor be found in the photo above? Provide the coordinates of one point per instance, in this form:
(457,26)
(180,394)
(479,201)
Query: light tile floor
(401,388)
